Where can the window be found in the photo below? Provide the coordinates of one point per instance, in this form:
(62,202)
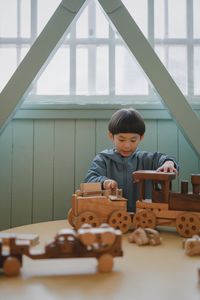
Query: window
(93,60)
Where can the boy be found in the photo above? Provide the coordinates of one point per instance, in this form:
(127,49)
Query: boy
(114,167)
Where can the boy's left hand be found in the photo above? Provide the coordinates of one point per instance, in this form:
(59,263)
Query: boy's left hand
(168,166)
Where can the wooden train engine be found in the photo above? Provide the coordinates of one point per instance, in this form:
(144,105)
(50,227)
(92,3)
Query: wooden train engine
(167,208)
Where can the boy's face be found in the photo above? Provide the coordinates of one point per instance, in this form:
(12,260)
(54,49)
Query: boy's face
(126,143)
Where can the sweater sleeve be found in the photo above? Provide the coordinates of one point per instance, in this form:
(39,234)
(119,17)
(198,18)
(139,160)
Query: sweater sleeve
(152,161)
(97,171)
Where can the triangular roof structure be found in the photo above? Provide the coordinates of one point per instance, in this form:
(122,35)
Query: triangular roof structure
(17,87)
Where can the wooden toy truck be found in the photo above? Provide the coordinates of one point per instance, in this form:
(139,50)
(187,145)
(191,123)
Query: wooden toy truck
(95,206)
(177,209)
(103,243)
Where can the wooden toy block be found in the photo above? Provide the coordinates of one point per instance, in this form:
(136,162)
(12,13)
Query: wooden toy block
(87,189)
(192,246)
(145,236)
(102,243)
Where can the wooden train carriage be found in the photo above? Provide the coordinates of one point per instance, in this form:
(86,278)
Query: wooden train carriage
(95,206)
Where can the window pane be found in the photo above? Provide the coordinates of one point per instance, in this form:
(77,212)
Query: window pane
(129,79)
(81,71)
(8,63)
(102,80)
(178,66)
(55,78)
(160,51)
(177,18)
(23,52)
(102,25)
(138,10)
(45,10)
(159,19)
(196,12)
(25,21)
(82,25)
(197,70)
(8,18)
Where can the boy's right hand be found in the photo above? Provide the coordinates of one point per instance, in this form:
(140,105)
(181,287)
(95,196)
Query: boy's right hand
(110,184)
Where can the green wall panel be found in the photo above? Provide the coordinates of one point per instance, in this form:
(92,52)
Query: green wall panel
(189,161)
(22,173)
(84,149)
(43,171)
(5,177)
(149,142)
(63,167)
(102,140)
(168,142)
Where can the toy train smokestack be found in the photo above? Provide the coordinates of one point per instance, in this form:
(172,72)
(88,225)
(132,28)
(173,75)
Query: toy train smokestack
(195,180)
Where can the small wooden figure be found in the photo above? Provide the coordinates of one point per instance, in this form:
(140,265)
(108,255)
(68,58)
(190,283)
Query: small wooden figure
(145,236)
(102,243)
(192,246)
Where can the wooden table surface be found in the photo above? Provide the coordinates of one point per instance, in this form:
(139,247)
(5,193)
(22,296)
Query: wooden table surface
(147,272)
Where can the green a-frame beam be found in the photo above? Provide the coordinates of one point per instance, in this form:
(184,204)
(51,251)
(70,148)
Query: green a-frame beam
(13,94)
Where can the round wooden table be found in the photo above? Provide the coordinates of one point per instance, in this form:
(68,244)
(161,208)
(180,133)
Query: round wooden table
(148,272)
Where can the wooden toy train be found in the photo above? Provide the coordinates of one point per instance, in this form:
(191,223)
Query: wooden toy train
(181,209)
(102,243)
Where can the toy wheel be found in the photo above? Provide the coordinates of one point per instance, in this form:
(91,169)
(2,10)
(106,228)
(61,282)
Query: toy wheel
(120,219)
(11,266)
(187,225)
(105,263)
(70,217)
(144,219)
(87,217)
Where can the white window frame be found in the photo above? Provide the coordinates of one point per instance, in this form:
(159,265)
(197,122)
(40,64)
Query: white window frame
(73,99)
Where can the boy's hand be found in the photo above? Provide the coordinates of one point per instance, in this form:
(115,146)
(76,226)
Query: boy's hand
(168,166)
(109,184)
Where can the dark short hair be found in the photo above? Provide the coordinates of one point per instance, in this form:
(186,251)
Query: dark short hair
(126,121)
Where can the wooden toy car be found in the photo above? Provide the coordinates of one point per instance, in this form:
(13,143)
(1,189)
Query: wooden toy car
(103,243)
(95,206)
(177,209)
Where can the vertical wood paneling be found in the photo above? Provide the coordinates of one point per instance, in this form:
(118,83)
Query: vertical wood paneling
(149,142)
(43,171)
(84,149)
(22,172)
(42,162)
(5,177)
(63,167)
(168,142)
(102,140)
(189,162)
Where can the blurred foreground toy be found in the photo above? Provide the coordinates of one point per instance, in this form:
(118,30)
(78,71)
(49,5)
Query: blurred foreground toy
(145,236)
(103,243)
